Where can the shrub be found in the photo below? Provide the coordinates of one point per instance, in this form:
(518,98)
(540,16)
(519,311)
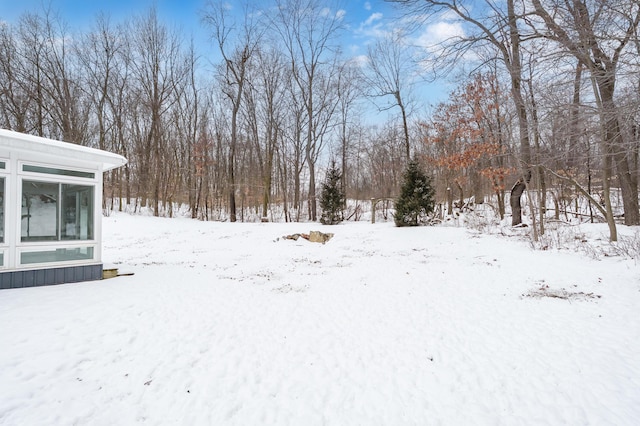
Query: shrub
(416,197)
(332,198)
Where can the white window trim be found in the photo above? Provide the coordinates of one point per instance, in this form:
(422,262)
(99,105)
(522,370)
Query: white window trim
(46,177)
(7,165)
(6,178)
(60,243)
(55,264)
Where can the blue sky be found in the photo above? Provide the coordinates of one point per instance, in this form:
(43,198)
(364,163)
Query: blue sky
(366,20)
(181,10)
(364,17)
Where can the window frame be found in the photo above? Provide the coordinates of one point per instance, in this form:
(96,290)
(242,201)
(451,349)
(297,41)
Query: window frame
(51,248)
(56,177)
(5,174)
(59,243)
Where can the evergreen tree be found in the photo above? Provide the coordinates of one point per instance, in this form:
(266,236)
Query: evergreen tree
(416,197)
(332,198)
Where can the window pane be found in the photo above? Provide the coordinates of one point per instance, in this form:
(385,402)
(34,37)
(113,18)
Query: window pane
(39,211)
(57,255)
(1,210)
(54,171)
(77,212)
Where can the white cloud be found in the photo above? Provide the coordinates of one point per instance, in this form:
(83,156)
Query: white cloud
(439,32)
(367,5)
(326,12)
(434,41)
(353,49)
(373,18)
(360,60)
(373,27)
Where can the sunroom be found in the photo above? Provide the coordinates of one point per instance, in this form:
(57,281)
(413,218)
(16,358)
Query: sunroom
(50,210)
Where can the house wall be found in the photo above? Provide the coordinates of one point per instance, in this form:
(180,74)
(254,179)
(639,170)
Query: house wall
(50,276)
(38,254)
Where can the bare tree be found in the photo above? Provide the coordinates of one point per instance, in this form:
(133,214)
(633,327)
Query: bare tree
(266,100)
(190,113)
(68,107)
(292,145)
(350,89)
(386,161)
(158,65)
(499,31)
(391,71)
(100,53)
(120,99)
(597,34)
(236,53)
(32,52)
(308,29)
(16,99)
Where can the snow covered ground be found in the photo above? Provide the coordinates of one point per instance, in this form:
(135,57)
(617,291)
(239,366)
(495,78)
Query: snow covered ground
(229,324)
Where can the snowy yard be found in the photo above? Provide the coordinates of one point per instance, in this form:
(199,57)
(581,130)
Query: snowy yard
(229,324)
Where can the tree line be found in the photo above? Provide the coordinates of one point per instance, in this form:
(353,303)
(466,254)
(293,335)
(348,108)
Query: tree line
(547,99)
(564,108)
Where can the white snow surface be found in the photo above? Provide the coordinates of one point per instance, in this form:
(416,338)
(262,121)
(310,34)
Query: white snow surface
(229,324)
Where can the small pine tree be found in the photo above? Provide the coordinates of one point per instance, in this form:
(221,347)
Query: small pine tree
(416,197)
(332,198)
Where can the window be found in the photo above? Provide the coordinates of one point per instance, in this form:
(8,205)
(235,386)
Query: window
(1,209)
(39,211)
(55,211)
(56,255)
(55,171)
(77,208)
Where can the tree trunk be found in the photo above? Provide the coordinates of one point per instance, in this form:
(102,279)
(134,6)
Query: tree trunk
(606,189)
(405,126)
(515,72)
(614,140)
(543,197)
(232,196)
(461,193)
(516,193)
(501,209)
(449,201)
(542,185)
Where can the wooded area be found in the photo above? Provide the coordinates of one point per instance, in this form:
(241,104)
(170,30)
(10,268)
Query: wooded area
(548,101)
